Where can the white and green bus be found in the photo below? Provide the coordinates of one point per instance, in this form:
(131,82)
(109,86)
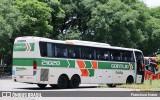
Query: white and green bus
(70,63)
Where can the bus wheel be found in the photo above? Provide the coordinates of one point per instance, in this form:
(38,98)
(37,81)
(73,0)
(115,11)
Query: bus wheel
(53,85)
(42,86)
(129,80)
(74,82)
(62,82)
(111,85)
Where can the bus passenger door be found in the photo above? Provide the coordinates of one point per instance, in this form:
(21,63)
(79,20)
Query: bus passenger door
(140,67)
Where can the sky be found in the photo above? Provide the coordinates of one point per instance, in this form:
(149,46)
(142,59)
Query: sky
(152,3)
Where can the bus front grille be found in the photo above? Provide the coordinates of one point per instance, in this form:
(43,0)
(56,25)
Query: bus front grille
(44,74)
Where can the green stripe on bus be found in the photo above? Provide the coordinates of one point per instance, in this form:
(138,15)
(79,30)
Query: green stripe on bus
(103,65)
(88,64)
(91,72)
(23,61)
(32,46)
(52,63)
(115,65)
(72,63)
(45,62)
(23,47)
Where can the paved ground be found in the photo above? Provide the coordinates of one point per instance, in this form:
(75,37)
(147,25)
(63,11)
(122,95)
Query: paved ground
(9,85)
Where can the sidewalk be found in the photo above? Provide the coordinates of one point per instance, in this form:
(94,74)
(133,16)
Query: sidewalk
(5,77)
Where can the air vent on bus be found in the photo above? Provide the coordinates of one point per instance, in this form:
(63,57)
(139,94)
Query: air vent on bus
(44,74)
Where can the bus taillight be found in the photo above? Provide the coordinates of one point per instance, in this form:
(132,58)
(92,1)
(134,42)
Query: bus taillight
(34,64)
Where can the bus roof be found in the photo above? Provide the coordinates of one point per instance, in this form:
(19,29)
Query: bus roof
(76,42)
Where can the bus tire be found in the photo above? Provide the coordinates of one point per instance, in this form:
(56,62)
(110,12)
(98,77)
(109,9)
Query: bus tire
(42,86)
(62,82)
(74,82)
(129,80)
(54,86)
(111,85)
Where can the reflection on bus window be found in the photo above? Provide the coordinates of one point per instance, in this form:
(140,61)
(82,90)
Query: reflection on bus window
(73,52)
(115,55)
(61,51)
(127,56)
(50,50)
(87,53)
(102,54)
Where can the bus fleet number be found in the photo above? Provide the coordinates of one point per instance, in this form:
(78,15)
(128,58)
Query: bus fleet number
(50,62)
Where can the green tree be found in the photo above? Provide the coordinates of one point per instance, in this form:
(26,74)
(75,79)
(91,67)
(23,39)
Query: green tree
(72,34)
(57,16)
(37,16)
(77,14)
(126,23)
(152,27)
(118,23)
(10,21)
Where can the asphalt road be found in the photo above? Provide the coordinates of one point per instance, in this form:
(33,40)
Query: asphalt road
(86,91)
(9,85)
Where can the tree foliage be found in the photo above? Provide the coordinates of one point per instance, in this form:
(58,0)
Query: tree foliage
(72,34)
(37,16)
(125,23)
(10,21)
(152,42)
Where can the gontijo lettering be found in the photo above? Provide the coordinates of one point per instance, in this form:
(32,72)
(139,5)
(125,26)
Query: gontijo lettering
(119,66)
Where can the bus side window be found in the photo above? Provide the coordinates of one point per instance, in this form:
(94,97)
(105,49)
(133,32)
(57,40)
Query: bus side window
(106,56)
(130,57)
(115,55)
(73,52)
(50,50)
(61,51)
(127,56)
(43,48)
(124,56)
(102,54)
(88,53)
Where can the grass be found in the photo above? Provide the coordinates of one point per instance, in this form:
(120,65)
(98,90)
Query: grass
(146,86)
